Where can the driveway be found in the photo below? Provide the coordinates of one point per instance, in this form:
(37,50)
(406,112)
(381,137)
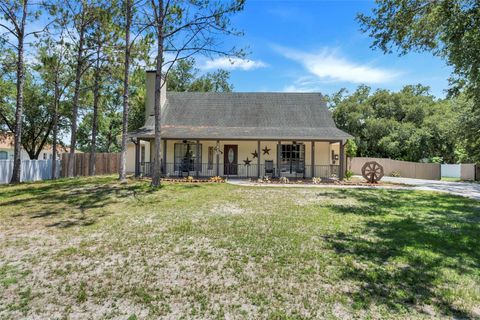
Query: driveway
(464,189)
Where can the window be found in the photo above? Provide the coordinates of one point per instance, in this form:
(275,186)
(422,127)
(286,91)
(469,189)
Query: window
(292,158)
(186,156)
(44,156)
(210,158)
(3,155)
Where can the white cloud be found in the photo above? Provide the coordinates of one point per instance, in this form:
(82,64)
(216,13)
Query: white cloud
(327,65)
(232,64)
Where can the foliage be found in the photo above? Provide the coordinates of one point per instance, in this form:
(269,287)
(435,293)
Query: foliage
(109,129)
(316,180)
(351,148)
(449,29)
(217,179)
(406,125)
(349,174)
(284,180)
(184,76)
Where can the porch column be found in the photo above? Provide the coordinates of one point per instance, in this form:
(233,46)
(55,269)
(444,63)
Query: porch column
(341,172)
(258,158)
(313,159)
(164,164)
(218,158)
(197,157)
(279,144)
(137,158)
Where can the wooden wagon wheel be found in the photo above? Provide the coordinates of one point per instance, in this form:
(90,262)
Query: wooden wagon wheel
(372,171)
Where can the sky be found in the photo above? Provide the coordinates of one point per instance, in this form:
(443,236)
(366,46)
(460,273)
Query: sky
(317,46)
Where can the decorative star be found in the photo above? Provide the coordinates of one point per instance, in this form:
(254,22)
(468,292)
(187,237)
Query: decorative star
(254,154)
(266,150)
(247,161)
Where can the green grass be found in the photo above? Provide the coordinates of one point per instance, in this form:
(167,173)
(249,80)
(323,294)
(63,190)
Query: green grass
(450,179)
(94,248)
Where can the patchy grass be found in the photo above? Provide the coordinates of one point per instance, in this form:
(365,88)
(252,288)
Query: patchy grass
(94,248)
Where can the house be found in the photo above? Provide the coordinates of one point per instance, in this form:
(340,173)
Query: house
(7,149)
(240,135)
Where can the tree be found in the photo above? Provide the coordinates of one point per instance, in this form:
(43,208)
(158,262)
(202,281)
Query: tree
(126,93)
(16,14)
(81,14)
(350,151)
(54,55)
(185,77)
(184,29)
(103,41)
(407,125)
(448,29)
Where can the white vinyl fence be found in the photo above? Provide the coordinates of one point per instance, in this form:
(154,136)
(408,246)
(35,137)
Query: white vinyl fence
(451,170)
(32,170)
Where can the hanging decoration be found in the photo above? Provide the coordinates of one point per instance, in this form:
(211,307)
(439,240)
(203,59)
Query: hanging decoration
(247,161)
(217,149)
(266,150)
(254,154)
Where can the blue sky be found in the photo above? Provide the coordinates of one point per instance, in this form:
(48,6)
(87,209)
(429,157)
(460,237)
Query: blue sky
(317,46)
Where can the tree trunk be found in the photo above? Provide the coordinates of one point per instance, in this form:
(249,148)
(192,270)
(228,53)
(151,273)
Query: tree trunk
(96,96)
(76,98)
(17,162)
(157,107)
(55,128)
(126,93)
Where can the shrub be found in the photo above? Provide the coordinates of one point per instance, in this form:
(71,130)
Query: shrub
(348,174)
(394,174)
(284,180)
(217,179)
(189,179)
(316,180)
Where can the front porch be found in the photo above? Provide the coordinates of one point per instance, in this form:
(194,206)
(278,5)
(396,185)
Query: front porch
(243,158)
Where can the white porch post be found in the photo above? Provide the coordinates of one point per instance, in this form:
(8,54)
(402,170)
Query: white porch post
(258,158)
(313,159)
(279,146)
(218,158)
(164,167)
(137,158)
(341,173)
(197,157)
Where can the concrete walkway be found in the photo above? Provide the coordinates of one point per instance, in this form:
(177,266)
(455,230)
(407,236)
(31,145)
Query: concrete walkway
(464,189)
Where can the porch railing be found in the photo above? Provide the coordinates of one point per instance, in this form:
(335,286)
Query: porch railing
(240,170)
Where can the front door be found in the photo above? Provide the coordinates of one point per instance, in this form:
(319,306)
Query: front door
(230,159)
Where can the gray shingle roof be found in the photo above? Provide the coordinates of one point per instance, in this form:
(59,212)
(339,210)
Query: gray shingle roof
(290,116)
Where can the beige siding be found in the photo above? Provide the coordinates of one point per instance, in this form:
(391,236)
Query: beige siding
(131,155)
(323,158)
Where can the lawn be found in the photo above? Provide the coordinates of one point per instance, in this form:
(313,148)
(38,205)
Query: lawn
(94,248)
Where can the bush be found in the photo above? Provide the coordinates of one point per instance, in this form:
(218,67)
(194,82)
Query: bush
(284,180)
(217,179)
(348,174)
(316,180)
(395,174)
